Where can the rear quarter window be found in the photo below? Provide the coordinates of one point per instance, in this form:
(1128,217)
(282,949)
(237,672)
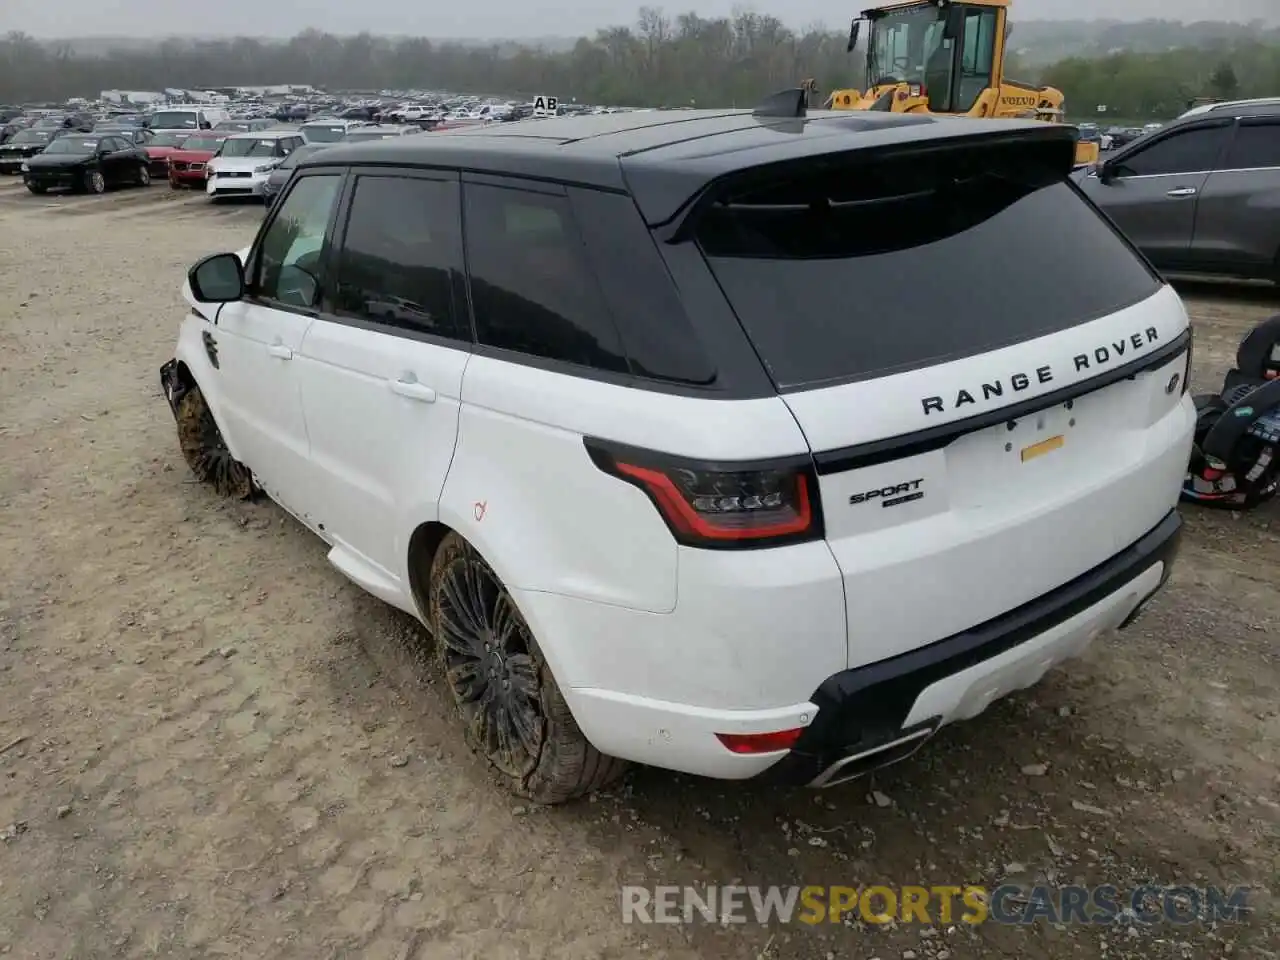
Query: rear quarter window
(852,270)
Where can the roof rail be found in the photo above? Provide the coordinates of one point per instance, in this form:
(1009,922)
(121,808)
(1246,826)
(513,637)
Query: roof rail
(784,104)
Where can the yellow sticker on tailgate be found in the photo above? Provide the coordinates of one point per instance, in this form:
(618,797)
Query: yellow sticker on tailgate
(1043,447)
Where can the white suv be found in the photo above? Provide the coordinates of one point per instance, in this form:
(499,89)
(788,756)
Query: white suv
(714,441)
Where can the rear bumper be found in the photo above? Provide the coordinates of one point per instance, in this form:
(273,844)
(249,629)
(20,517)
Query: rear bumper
(858,719)
(879,713)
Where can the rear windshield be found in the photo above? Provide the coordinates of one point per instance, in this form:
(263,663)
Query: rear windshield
(175,120)
(840,273)
(323,133)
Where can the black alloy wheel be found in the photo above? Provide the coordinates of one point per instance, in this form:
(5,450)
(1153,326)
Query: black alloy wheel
(206,452)
(486,650)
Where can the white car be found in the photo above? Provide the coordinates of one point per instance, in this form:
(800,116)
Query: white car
(679,462)
(244,162)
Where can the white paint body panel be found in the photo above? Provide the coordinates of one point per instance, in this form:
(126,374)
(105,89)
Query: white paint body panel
(658,647)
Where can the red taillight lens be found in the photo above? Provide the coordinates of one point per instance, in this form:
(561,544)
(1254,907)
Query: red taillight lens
(722,505)
(760,742)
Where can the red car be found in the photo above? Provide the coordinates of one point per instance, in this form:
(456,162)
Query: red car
(187,164)
(160,147)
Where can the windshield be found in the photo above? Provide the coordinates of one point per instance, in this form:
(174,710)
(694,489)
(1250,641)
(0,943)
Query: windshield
(48,123)
(30,136)
(249,148)
(175,120)
(901,45)
(299,153)
(168,139)
(324,134)
(201,143)
(72,145)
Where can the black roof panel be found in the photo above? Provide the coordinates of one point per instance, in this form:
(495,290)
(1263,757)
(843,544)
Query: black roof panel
(661,157)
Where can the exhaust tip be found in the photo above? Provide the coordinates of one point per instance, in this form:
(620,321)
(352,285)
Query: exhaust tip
(873,758)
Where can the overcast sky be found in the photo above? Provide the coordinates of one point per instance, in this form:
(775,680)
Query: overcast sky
(502,18)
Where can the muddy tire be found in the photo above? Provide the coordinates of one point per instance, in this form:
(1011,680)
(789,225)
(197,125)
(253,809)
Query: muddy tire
(144,176)
(512,710)
(95,182)
(206,452)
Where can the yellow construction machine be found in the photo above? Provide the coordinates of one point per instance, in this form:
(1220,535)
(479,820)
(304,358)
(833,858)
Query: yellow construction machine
(945,56)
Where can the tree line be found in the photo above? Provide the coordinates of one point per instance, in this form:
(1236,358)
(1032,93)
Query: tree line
(659,61)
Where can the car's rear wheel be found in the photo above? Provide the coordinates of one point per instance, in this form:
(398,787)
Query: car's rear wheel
(144,176)
(514,713)
(95,182)
(205,450)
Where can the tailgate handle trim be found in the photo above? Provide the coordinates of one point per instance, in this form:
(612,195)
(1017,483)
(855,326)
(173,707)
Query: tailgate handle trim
(906,445)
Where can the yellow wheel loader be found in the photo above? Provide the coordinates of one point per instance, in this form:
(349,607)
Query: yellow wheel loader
(945,56)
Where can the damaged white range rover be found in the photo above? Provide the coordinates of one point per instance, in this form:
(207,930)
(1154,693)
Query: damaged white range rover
(720,441)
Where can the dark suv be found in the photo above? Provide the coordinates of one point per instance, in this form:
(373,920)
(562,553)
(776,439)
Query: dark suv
(1201,194)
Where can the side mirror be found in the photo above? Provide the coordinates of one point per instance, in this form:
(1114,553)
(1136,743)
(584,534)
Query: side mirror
(1108,171)
(954,22)
(854,29)
(217,279)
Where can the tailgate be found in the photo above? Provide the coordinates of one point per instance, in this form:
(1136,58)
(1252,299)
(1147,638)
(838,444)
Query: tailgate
(940,528)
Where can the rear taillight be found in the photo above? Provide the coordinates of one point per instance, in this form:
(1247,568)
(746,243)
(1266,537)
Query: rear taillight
(749,743)
(721,505)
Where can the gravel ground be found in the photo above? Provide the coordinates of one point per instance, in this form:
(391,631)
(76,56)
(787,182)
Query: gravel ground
(214,746)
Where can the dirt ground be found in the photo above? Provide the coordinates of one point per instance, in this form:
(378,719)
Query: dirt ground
(228,751)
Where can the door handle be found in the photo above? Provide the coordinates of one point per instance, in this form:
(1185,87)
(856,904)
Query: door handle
(280,351)
(413,390)
(1182,192)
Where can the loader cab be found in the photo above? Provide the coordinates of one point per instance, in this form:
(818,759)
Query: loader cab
(945,55)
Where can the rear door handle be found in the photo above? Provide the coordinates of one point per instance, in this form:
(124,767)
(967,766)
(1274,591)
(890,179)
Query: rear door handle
(413,390)
(280,351)
(1182,192)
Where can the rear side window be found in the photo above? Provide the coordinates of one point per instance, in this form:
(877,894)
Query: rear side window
(840,274)
(532,289)
(656,333)
(401,246)
(1256,145)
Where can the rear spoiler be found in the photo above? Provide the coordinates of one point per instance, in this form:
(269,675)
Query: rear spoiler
(1049,149)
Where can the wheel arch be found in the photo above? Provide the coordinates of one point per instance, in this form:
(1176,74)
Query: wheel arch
(423,544)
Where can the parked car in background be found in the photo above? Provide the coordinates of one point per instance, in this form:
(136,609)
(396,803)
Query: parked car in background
(187,118)
(244,161)
(78,122)
(284,169)
(90,163)
(188,165)
(22,146)
(1201,194)
(380,132)
(161,147)
(328,131)
(243,126)
(137,135)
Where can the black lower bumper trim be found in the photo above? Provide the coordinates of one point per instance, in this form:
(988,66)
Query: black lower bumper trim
(864,708)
